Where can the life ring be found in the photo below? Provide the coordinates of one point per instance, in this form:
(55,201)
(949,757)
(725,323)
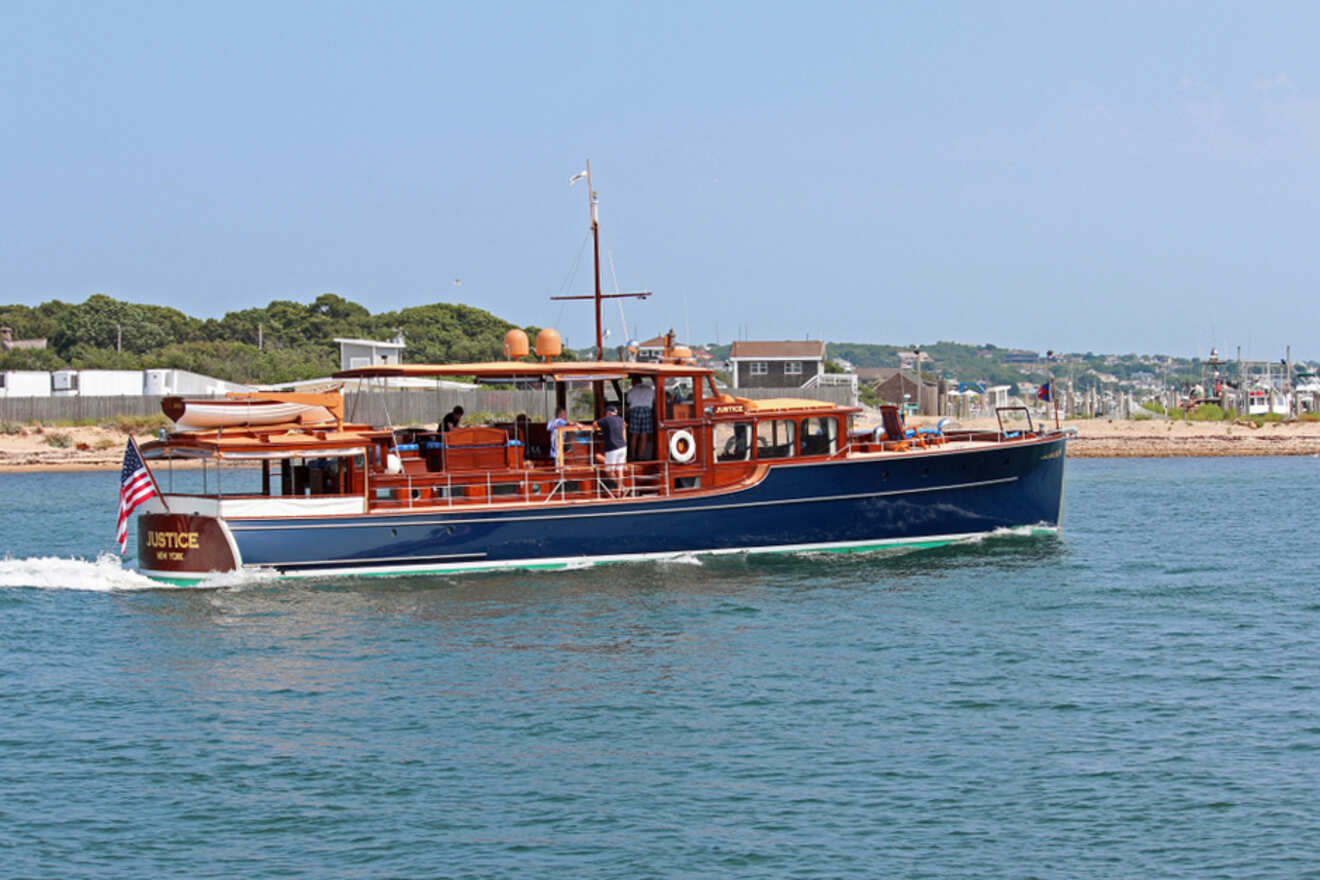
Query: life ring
(682,446)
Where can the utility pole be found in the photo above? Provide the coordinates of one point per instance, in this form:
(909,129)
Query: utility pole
(259,339)
(119,337)
(916,349)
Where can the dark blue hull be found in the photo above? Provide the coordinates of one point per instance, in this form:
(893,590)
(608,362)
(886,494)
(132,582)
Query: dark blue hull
(915,497)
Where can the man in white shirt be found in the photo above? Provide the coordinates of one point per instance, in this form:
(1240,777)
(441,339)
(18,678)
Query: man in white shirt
(641,420)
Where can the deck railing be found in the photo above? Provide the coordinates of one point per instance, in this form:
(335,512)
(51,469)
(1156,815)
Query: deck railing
(409,491)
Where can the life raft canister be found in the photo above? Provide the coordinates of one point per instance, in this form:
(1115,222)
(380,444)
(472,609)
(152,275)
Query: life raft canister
(682,446)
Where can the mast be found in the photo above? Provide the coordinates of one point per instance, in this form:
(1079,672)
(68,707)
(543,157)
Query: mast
(598,387)
(595,247)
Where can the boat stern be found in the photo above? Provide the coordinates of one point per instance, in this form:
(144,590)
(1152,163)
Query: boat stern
(184,547)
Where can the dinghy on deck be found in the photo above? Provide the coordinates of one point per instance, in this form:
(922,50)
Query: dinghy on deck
(247,409)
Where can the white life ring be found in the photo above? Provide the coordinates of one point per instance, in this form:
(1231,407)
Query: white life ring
(682,446)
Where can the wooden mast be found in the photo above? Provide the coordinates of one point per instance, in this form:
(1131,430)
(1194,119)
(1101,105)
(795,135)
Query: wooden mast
(598,387)
(595,247)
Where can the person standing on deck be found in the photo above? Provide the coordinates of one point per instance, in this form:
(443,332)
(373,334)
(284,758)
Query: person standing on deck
(451,420)
(616,443)
(641,420)
(559,421)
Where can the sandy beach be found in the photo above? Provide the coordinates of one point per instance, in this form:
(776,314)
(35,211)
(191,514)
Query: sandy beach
(88,449)
(96,448)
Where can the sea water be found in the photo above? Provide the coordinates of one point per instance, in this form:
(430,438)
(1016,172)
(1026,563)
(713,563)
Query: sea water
(1135,697)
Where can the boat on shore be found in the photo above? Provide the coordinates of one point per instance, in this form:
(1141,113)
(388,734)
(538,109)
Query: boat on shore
(729,475)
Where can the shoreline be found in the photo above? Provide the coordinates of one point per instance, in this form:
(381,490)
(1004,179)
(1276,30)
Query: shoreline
(102,449)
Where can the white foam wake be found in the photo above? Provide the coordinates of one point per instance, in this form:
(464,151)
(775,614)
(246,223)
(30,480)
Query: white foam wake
(683,559)
(1009,532)
(106,573)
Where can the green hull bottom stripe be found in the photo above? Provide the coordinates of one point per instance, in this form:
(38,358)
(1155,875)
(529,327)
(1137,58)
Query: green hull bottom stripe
(561,565)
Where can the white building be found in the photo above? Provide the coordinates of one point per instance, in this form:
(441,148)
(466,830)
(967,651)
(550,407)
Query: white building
(109,383)
(368,352)
(24,383)
(165,382)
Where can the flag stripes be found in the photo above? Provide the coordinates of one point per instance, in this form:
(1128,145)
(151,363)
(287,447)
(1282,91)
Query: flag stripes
(135,487)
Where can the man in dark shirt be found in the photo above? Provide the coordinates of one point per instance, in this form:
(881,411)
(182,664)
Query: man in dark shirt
(451,420)
(616,443)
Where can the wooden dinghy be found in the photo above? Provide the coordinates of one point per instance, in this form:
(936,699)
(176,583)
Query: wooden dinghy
(241,409)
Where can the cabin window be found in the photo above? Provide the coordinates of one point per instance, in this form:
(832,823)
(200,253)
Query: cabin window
(774,438)
(792,368)
(679,397)
(733,441)
(757,368)
(820,436)
(310,476)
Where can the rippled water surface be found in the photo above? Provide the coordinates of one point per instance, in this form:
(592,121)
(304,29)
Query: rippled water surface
(1134,698)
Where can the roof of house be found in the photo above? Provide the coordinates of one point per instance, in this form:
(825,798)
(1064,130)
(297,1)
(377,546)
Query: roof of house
(800,348)
(24,343)
(393,343)
(880,375)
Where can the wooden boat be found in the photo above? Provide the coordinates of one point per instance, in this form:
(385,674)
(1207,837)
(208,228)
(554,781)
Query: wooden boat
(240,409)
(731,475)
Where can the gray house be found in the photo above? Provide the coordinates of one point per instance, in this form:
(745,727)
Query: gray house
(368,352)
(789,364)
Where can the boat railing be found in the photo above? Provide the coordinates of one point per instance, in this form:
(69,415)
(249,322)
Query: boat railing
(408,491)
(1013,435)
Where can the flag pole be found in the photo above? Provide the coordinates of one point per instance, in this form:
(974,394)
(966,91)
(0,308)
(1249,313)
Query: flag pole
(1054,392)
(147,468)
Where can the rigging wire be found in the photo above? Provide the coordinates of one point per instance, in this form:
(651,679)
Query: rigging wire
(623,321)
(571,276)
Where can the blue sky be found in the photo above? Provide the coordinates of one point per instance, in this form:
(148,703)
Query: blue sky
(1107,177)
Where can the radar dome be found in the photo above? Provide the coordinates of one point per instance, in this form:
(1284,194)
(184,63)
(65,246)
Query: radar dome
(548,343)
(515,344)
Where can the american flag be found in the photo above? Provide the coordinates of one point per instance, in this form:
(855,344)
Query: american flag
(135,486)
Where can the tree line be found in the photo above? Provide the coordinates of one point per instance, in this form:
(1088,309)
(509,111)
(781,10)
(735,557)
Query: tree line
(295,340)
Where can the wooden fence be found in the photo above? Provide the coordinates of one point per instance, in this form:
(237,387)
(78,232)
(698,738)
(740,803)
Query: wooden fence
(371,407)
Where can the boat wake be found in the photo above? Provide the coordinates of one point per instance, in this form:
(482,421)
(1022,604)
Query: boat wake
(104,574)
(683,559)
(1014,532)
